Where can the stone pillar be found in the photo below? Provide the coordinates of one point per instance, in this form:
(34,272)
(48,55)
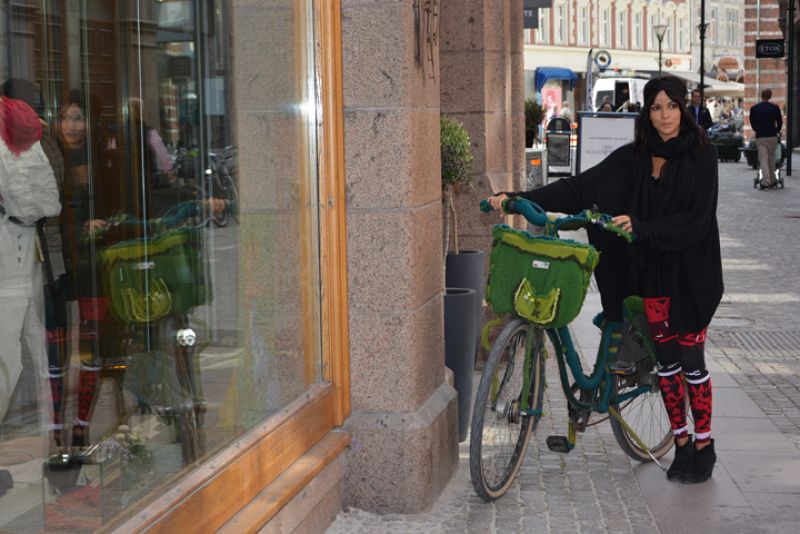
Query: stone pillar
(403,417)
(760,74)
(482,66)
(483,86)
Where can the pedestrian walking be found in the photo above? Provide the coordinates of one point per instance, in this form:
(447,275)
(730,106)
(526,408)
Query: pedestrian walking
(766,121)
(663,188)
(566,112)
(699,112)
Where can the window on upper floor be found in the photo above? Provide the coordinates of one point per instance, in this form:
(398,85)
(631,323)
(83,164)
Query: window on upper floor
(605,26)
(560,24)
(542,33)
(669,37)
(622,28)
(732,27)
(583,25)
(652,42)
(683,34)
(711,25)
(636,31)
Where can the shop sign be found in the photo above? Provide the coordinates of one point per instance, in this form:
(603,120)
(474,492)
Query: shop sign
(769,48)
(531,12)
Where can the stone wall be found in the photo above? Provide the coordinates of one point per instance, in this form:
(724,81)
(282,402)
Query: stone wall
(483,86)
(403,420)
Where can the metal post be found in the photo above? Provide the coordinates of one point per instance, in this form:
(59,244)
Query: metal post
(790,89)
(702,51)
(660,30)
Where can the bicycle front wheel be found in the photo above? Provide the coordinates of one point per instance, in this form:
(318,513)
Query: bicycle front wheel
(501,422)
(645,414)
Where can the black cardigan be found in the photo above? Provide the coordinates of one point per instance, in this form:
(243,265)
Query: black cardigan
(676,253)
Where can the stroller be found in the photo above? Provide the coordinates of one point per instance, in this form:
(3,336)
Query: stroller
(780,158)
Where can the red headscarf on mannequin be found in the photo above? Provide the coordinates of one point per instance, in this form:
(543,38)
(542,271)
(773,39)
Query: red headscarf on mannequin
(19,125)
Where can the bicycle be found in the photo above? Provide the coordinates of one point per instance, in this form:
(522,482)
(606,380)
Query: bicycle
(220,173)
(508,404)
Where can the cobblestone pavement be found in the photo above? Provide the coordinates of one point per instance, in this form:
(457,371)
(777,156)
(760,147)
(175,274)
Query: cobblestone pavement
(755,339)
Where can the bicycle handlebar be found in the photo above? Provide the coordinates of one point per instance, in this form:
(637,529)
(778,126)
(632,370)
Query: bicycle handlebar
(537,216)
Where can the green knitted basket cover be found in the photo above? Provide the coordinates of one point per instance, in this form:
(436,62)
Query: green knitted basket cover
(542,279)
(148,278)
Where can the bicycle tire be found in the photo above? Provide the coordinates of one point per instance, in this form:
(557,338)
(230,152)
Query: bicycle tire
(645,414)
(499,439)
(221,219)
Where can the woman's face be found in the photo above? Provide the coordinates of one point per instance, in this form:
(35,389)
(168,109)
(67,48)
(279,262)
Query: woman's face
(665,115)
(72,126)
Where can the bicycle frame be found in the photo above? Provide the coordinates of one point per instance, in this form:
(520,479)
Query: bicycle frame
(566,355)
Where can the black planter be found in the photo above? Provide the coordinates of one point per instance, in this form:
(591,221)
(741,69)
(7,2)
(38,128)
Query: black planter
(530,137)
(466,269)
(459,348)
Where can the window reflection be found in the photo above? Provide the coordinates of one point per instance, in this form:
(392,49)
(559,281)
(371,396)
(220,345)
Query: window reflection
(173,323)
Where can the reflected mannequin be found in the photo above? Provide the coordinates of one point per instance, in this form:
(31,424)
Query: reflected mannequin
(28,193)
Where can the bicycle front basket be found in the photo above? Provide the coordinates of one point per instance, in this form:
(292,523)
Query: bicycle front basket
(148,278)
(542,279)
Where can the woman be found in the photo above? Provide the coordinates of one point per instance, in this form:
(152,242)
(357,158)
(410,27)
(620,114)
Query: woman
(663,188)
(84,197)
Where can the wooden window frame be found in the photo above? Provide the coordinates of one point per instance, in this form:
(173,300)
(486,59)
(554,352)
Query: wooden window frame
(213,493)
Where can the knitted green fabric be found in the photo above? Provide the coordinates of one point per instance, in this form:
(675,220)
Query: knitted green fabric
(542,279)
(151,277)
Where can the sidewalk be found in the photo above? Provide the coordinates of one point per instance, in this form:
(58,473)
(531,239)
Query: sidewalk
(753,353)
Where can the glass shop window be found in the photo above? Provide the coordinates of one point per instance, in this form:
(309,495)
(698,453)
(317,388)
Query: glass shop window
(158,315)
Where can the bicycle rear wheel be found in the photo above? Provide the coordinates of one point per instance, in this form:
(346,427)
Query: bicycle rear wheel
(500,427)
(644,414)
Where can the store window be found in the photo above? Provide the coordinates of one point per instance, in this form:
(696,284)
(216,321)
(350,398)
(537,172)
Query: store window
(182,304)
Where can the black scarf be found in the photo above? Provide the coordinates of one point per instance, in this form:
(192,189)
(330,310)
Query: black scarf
(656,146)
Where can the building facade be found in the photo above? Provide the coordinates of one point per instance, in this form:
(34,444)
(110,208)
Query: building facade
(725,39)
(569,29)
(247,327)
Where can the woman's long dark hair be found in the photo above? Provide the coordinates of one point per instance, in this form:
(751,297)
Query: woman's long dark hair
(675,89)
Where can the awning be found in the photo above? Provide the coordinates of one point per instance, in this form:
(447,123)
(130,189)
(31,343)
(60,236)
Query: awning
(554,73)
(711,86)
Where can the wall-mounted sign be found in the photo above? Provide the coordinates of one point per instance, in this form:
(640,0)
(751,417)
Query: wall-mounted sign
(769,48)
(531,12)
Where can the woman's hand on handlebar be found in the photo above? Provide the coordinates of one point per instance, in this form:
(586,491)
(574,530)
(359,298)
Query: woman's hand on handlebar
(497,202)
(624,222)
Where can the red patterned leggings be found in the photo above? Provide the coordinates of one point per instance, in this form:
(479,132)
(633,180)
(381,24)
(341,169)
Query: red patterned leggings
(680,356)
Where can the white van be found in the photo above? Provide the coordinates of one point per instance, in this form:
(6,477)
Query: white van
(619,90)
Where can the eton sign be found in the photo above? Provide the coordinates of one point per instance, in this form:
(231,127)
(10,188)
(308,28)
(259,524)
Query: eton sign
(769,48)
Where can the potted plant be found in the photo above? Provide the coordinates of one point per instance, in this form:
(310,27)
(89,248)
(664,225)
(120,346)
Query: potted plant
(727,140)
(463,271)
(534,115)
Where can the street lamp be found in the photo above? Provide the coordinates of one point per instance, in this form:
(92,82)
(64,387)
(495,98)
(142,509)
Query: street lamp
(660,30)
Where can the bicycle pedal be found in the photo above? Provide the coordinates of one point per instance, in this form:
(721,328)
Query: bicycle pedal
(559,444)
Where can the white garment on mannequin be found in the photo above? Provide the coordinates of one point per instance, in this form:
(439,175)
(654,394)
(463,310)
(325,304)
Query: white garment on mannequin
(28,192)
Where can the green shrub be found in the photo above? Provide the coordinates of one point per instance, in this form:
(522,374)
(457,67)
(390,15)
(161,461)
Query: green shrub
(456,171)
(534,114)
(456,153)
